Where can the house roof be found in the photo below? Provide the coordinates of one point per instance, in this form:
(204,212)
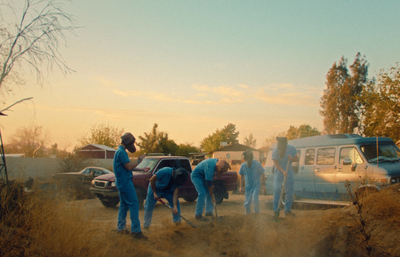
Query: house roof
(235,148)
(96,147)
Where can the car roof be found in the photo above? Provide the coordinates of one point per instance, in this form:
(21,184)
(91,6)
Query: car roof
(166,157)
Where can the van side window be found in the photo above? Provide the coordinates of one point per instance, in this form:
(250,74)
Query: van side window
(309,158)
(326,156)
(350,153)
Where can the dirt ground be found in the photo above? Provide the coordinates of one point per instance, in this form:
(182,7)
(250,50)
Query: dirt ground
(329,232)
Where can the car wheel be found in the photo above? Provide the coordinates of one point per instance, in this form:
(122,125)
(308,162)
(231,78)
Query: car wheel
(110,202)
(218,194)
(190,198)
(140,196)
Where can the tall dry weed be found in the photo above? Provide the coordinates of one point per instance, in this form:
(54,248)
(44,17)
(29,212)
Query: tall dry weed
(39,224)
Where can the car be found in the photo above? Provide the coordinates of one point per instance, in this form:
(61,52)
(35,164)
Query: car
(85,176)
(104,186)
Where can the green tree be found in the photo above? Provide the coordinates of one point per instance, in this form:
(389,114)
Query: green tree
(186,149)
(169,146)
(382,105)
(341,107)
(250,141)
(152,142)
(227,134)
(102,134)
(304,130)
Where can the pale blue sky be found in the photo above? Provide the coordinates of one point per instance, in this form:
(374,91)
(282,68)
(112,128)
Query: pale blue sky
(195,66)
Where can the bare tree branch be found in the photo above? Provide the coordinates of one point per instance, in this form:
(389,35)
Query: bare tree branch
(33,41)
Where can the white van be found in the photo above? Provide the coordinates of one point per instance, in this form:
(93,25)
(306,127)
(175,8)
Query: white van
(327,162)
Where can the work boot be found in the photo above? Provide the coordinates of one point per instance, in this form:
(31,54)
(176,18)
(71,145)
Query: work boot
(209,214)
(139,235)
(289,214)
(123,232)
(201,218)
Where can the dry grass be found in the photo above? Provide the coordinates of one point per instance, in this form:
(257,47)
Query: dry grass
(41,225)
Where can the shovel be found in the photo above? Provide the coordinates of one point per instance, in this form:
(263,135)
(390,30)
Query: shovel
(282,192)
(169,207)
(216,213)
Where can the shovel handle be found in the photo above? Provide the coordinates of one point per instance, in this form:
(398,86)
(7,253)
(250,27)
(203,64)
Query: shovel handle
(169,207)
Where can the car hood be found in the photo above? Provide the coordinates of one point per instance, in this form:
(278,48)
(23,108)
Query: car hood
(66,174)
(109,177)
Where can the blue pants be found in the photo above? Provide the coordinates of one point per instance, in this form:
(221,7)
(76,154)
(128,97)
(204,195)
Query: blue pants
(151,202)
(289,187)
(204,197)
(128,201)
(251,195)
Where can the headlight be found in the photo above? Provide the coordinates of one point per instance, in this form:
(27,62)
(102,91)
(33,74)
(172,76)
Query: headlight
(113,184)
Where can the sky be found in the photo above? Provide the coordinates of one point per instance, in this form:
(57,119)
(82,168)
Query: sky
(193,67)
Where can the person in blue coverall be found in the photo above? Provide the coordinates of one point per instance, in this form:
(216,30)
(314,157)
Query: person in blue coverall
(165,184)
(252,171)
(281,155)
(202,177)
(127,195)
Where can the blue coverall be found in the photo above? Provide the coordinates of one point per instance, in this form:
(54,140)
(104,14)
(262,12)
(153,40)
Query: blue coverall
(163,178)
(127,192)
(278,178)
(252,177)
(203,172)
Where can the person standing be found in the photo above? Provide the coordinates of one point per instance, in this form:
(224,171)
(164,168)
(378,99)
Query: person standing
(283,156)
(165,184)
(252,171)
(127,194)
(202,177)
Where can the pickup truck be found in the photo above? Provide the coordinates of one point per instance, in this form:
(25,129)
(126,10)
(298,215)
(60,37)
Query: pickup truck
(104,186)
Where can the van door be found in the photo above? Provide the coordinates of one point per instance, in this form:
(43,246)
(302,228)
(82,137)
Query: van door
(306,171)
(346,170)
(325,174)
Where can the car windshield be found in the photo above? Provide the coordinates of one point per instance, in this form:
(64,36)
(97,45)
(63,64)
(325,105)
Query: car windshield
(148,163)
(388,152)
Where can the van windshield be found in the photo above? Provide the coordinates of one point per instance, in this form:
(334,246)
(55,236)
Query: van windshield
(389,152)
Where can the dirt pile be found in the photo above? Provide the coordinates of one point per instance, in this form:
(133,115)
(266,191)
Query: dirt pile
(334,232)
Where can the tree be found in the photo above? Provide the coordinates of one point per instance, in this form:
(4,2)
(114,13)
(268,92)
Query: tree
(228,134)
(151,142)
(102,134)
(341,107)
(250,141)
(304,130)
(32,39)
(269,141)
(186,149)
(382,105)
(29,140)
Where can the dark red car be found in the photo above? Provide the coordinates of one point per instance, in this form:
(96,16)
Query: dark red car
(104,186)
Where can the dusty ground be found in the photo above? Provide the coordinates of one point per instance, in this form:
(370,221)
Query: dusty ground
(331,232)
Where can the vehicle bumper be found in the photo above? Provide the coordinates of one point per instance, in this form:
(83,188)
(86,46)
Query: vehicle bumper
(104,192)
